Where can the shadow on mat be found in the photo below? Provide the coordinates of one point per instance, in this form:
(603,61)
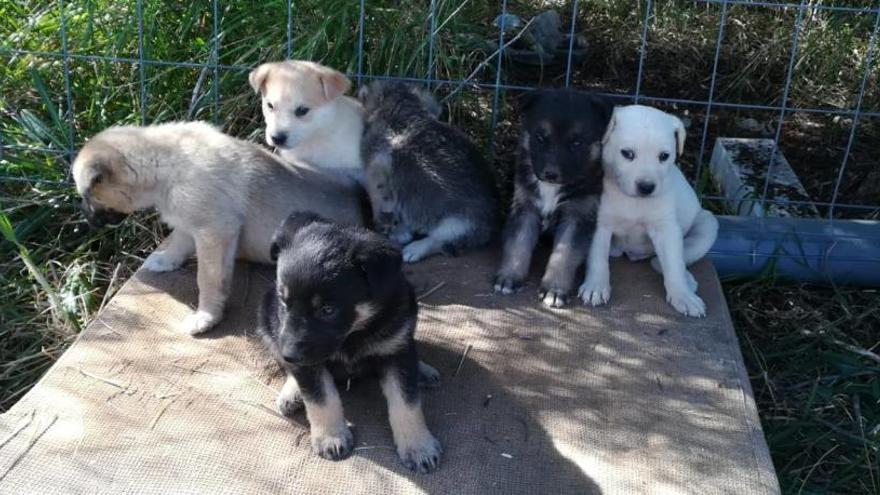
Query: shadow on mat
(576,395)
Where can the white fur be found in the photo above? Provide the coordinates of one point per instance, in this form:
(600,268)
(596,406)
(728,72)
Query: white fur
(449,229)
(548,197)
(335,142)
(668,223)
(329,135)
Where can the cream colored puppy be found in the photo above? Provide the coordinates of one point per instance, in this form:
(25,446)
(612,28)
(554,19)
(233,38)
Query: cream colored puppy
(223,197)
(648,209)
(308,117)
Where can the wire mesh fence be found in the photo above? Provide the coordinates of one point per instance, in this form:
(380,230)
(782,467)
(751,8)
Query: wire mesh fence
(489,75)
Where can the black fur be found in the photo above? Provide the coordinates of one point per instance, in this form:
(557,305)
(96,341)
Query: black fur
(311,322)
(322,264)
(420,171)
(560,147)
(98,216)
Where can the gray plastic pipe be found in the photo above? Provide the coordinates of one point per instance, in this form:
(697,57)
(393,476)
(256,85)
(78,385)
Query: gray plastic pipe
(808,250)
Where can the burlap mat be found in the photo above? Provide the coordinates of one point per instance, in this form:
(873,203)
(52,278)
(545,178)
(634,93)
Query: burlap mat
(628,398)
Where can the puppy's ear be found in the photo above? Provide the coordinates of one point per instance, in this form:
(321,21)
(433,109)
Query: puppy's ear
(334,83)
(680,134)
(428,101)
(288,229)
(258,77)
(610,128)
(95,165)
(275,248)
(381,262)
(363,93)
(98,173)
(605,107)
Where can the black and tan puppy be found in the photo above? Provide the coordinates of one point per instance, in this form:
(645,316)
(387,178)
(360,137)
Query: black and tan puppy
(342,308)
(429,186)
(557,185)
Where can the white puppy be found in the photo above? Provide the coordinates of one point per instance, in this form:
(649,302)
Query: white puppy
(648,208)
(308,117)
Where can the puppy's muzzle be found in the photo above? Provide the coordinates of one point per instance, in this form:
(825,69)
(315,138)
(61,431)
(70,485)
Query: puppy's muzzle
(295,354)
(101,217)
(645,188)
(278,139)
(550,176)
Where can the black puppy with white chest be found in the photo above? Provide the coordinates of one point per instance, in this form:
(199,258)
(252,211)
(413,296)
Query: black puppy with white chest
(557,186)
(341,308)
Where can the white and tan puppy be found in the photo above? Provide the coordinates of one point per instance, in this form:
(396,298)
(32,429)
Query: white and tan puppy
(223,197)
(308,117)
(648,209)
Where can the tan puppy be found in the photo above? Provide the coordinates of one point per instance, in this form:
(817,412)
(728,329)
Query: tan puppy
(223,197)
(307,115)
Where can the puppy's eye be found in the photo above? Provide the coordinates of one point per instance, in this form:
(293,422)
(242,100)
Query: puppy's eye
(281,300)
(628,154)
(540,139)
(328,311)
(576,144)
(301,111)
(664,156)
(270,106)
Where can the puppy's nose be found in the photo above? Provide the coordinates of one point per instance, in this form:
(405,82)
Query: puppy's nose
(645,188)
(551,175)
(279,138)
(293,356)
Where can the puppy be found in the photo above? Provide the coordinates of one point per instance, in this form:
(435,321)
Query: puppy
(430,188)
(307,116)
(342,307)
(648,209)
(223,197)
(557,183)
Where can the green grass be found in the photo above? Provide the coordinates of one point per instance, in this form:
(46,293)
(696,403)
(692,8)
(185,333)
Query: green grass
(812,353)
(805,346)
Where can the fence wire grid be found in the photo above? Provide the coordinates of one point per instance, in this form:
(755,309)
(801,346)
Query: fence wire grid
(497,60)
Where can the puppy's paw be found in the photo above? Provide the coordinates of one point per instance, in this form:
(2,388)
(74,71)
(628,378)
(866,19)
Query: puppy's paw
(595,293)
(422,455)
(199,322)
(553,298)
(333,445)
(416,251)
(691,281)
(161,261)
(429,377)
(289,401)
(687,303)
(507,285)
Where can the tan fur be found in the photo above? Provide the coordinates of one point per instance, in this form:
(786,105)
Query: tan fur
(222,196)
(329,135)
(411,435)
(327,419)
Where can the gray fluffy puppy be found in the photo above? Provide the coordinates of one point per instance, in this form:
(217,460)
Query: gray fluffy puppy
(429,186)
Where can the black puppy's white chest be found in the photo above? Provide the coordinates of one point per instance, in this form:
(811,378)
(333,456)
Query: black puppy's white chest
(546,200)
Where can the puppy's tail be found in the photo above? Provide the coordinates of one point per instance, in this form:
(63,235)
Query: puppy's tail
(701,237)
